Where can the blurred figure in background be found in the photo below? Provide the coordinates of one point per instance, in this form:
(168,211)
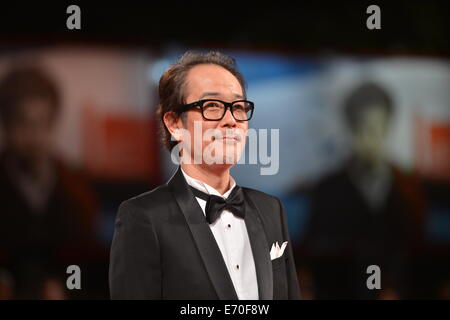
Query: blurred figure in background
(48,212)
(366,213)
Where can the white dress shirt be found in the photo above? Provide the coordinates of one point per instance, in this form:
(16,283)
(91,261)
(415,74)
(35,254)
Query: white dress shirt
(231,236)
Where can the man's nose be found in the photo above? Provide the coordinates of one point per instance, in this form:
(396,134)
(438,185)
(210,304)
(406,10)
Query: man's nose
(228,119)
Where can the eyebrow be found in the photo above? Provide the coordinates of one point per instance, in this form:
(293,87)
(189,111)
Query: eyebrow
(205,94)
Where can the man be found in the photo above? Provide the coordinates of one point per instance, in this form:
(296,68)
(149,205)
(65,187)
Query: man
(48,209)
(200,236)
(366,212)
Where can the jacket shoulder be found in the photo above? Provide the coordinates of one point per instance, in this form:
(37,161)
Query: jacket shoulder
(261,198)
(160,196)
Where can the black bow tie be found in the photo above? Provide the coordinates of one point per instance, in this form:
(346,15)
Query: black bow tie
(215,204)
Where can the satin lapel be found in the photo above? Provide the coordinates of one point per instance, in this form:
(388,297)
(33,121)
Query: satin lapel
(261,254)
(203,237)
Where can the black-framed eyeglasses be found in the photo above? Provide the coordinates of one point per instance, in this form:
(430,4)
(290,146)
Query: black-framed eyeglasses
(214,109)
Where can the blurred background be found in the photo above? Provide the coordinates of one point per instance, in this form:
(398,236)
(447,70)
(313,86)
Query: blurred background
(363,117)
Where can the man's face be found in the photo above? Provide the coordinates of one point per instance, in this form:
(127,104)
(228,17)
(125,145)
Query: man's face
(30,133)
(370,138)
(221,141)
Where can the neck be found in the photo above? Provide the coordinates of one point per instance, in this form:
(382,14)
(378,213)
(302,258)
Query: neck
(218,178)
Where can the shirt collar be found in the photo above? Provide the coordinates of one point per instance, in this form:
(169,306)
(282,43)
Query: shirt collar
(204,187)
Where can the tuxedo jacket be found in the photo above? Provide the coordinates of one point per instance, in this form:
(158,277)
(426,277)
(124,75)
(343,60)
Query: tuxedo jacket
(163,248)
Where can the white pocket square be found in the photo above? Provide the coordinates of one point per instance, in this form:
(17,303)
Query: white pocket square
(276,251)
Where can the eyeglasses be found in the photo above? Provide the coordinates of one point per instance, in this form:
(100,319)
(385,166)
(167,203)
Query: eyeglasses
(213,109)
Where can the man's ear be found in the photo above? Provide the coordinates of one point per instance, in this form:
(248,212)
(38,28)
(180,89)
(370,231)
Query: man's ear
(174,124)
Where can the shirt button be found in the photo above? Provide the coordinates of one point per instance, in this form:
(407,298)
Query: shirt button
(229,226)
(237,267)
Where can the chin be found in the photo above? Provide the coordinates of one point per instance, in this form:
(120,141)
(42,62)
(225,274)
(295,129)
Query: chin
(220,160)
(219,153)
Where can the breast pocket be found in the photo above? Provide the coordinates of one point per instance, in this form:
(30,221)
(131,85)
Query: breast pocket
(277,264)
(279,278)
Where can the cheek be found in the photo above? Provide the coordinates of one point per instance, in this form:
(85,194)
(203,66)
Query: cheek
(243,130)
(208,131)
(20,135)
(190,125)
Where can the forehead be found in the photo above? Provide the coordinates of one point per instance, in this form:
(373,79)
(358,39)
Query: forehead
(211,78)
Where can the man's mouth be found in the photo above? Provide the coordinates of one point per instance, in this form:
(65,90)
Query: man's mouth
(227,138)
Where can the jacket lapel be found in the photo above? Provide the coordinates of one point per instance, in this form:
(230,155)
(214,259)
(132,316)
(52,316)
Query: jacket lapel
(261,254)
(203,237)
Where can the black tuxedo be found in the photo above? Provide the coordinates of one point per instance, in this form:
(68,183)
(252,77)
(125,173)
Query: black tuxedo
(163,248)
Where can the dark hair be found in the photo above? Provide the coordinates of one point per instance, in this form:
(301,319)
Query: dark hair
(22,83)
(172,84)
(364,97)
